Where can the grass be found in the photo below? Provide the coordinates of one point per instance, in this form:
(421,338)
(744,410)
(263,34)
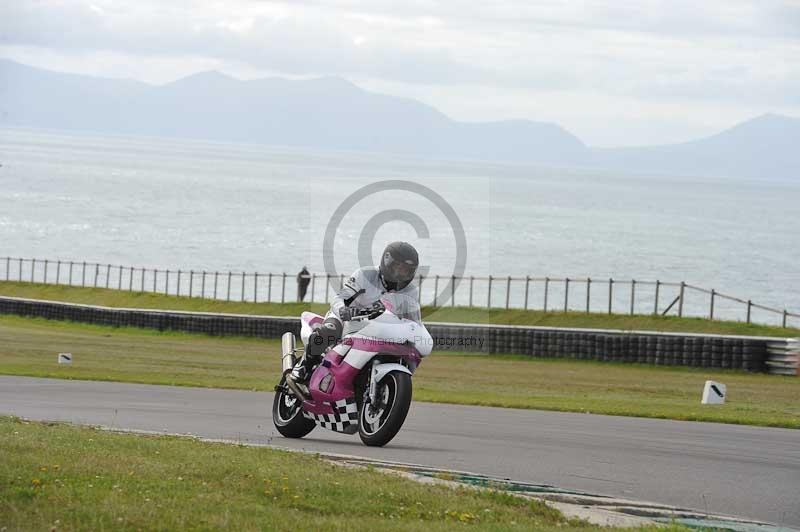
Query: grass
(56,476)
(117,298)
(30,346)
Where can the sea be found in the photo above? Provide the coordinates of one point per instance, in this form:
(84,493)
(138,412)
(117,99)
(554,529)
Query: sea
(197,205)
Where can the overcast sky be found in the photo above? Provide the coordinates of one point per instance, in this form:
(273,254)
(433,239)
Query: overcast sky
(613,72)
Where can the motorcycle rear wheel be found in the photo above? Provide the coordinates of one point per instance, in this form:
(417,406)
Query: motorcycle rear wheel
(378,424)
(287,416)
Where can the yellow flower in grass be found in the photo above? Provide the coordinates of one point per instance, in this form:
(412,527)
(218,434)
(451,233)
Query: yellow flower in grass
(466,517)
(36,482)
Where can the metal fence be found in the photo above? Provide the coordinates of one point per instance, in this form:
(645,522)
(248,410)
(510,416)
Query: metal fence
(611,296)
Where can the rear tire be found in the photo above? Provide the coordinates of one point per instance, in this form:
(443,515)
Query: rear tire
(287,416)
(377,425)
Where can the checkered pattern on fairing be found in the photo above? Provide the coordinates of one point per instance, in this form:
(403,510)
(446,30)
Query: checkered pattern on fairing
(343,419)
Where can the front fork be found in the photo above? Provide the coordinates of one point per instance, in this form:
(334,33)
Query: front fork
(372,385)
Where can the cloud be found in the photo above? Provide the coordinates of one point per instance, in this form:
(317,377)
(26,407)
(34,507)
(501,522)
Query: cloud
(743,53)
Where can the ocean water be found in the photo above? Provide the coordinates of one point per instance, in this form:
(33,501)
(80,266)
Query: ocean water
(166,203)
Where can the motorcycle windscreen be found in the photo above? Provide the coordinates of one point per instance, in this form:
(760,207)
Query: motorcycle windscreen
(403,306)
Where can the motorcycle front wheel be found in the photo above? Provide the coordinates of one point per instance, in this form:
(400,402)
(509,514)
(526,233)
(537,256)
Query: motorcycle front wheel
(287,415)
(380,422)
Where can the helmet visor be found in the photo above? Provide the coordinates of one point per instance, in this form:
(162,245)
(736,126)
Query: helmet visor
(398,271)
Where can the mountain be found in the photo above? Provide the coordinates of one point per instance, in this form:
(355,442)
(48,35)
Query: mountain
(767,146)
(319,113)
(332,113)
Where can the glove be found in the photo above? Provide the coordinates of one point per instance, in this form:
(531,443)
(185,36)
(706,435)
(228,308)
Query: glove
(346,313)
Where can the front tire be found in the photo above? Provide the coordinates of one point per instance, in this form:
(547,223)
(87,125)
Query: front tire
(287,416)
(379,423)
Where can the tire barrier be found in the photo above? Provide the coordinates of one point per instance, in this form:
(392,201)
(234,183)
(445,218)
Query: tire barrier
(783,356)
(163,320)
(668,349)
(664,349)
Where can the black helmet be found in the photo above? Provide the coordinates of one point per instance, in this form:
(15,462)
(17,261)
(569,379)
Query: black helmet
(398,265)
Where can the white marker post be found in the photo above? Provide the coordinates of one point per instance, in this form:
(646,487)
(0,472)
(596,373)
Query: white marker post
(714,393)
(65,358)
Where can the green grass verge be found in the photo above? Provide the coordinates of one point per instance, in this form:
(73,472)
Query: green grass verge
(56,476)
(30,346)
(117,298)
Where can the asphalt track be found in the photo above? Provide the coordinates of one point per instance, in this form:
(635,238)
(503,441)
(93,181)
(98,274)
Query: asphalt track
(732,470)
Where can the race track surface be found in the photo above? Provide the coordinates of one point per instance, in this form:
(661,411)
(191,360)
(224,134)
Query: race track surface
(725,469)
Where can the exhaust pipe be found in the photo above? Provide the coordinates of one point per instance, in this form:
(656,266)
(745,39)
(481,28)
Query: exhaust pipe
(288,360)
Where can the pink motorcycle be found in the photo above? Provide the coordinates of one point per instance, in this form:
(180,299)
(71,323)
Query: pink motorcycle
(362,384)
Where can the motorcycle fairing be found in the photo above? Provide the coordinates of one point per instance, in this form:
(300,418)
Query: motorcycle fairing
(342,418)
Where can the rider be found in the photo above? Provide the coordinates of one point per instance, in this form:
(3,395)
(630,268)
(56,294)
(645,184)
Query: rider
(362,291)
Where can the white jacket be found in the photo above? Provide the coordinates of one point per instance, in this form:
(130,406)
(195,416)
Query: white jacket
(361,290)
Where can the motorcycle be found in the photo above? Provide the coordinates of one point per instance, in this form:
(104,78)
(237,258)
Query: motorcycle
(363,383)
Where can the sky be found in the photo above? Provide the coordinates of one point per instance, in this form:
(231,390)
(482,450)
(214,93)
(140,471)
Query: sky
(612,72)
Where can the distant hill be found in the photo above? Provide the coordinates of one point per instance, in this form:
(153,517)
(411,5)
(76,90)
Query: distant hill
(319,113)
(332,113)
(767,146)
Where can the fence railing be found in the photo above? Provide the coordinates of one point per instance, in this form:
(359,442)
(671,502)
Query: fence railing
(611,296)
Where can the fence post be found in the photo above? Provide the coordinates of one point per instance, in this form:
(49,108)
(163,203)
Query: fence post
(203,286)
(96,274)
(119,277)
(70,272)
(155,280)
(610,293)
(216,278)
(655,305)
(108,275)
(130,280)
(785,315)
(45,270)
(527,286)
(83,274)
(269,288)
(166,282)
(588,293)
(453,291)
(230,278)
(566,294)
(633,295)
(255,287)
(8,266)
(58,272)
(508,290)
(436,291)
(313,283)
(178,287)
(20,270)
(546,291)
(471,282)
(283,288)
(144,274)
(33,268)
(242,286)
(680,303)
(489,297)
(711,310)
(749,307)
(191,283)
